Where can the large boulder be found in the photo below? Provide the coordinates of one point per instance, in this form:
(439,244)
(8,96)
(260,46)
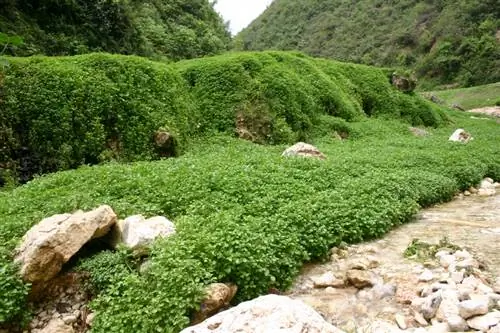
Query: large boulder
(271,313)
(304,150)
(137,232)
(47,246)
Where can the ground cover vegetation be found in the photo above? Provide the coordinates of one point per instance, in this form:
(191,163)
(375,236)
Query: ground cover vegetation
(61,112)
(174,29)
(244,214)
(442,41)
(470,98)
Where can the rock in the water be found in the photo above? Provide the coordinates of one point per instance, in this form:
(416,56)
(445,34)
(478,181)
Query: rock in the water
(327,279)
(56,326)
(487,188)
(460,135)
(271,313)
(304,150)
(47,246)
(137,232)
(359,279)
(485,322)
(218,296)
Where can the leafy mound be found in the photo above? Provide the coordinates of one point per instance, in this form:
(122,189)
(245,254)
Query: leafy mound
(59,113)
(444,41)
(245,214)
(177,29)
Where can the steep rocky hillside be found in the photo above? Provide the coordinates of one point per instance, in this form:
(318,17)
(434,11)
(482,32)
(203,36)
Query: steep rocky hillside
(444,41)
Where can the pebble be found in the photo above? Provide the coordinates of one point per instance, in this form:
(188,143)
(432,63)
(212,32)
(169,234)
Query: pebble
(447,260)
(69,319)
(457,277)
(426,276)
(401,321)
(484,289)
(471,281)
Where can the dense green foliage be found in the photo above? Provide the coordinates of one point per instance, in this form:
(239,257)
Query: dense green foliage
(470,98)
(60,112)
(177,29)
(444,41)
(246,215)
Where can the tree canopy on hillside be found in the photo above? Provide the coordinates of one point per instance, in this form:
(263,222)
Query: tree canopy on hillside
(444,41)
(177,29)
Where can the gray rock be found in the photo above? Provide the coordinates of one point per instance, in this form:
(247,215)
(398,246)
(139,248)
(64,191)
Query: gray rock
(401,321)
(57,326)
(447,260)
(47,246)
(90,319)
(467,264)
(138,233)
(484,289)
(457,324)
(438,328)
(461,136)
(359,279)
(327,279)
(426,276)
(457,277)
(485,322)
(471,281)
(471,308)
(69,319)
(302,149)
(496,286)
(270,313)
(381,291)
(495,329)
(431,305)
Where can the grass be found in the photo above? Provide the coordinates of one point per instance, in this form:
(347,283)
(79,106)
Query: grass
(471,98)
(246,215)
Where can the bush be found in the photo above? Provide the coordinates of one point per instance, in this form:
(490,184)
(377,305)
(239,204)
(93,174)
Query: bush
(60,113)
(246,215)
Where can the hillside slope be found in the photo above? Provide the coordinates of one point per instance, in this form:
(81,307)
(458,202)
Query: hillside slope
(445,41)
(111,107)
(177,29)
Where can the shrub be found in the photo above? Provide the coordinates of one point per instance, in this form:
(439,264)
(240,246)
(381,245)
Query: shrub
(246,215)
(60,113)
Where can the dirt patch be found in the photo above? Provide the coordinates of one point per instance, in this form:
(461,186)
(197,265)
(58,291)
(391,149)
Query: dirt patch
(493,111)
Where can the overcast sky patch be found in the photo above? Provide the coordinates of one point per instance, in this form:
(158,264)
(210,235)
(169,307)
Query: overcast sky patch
(240,13)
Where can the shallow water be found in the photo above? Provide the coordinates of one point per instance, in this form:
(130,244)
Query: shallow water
(472,223)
